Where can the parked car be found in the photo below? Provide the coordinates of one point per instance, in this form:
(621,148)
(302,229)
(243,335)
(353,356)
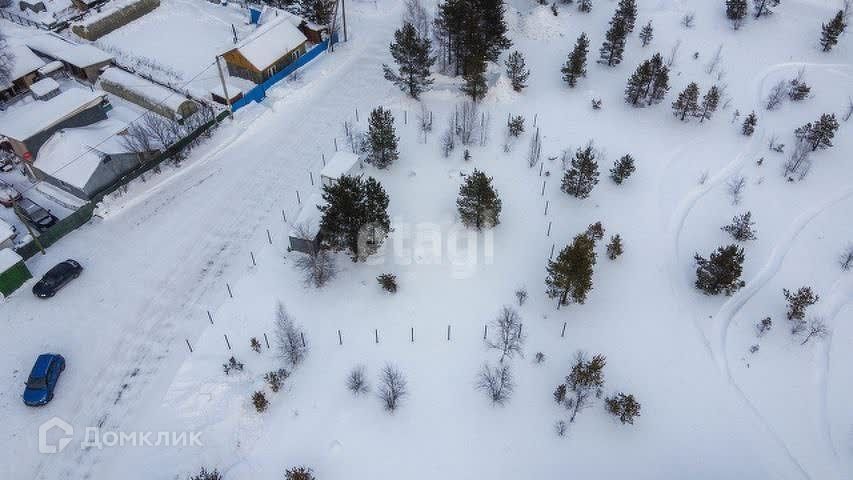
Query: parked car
(56,278)
(42,219)
(42,380)
(8,195)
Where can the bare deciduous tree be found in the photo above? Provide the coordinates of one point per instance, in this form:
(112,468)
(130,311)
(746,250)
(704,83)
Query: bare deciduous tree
(317,265)
(290,339)
(392,387)
(845,260)
(507,335)
(776,95)
(735,189)
(416,14)
(816,329)
(467,122)
(357,381)
(585,381)
(497,382)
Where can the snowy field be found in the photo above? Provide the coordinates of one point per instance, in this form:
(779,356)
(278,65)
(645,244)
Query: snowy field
(167,252)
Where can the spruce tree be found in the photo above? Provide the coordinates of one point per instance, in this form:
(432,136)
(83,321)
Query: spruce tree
(660,80)
(831,31)
(749,124)
(382,138)
(649,83)
(575,66)
(799,90)
(638,84)
(613,48)
(742,227)
(492,26)
(475,80)
(570,275)
(478,202)
(581,178)
(736,11)
(709,104)
(316,11)
(820,134)
(614,248)
(687,102)
(355,216)
(412,55)
(516,71)
(647,34)
(627,11)
(622,169)
(721,272)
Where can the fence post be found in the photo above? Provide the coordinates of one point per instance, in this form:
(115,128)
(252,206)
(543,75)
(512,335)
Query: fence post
(283,216)
(311,176)
(302,335)
(546,206)
(552,251)
(563,333)
(229,290)
(210,317)
(413,334)
(298,198)
(448,333)
(269,237)
(227,342)
(340,338)
(376,333)
(543,188)
(266,340)
(188,345)
(336,143)
(254,264)
(549,229)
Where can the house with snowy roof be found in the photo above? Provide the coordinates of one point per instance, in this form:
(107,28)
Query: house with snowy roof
(273,46)
(23,73)
(27,126)
(84,61)
(82,161)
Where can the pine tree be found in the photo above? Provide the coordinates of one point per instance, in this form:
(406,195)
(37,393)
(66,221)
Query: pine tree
(382,138)
(831,31)
(575,66)
(741,228)
(570,275)
(584,6)
(623,406)
(627,11)
(613,48)
(475,81)
(581,178)
(355,216)
(316,11)
(586,381)
(799,90)
(516,71)
(638,84)
(763,7)
(470,31)
(622,169)
(710,102)
(749,124)
(736,11)
(649,83)
(820,134)
(478,202)
(799,301)
(687,102)
(614,248)
(647,34)
(660,81)
(721,272)
(493,26)
(412,55)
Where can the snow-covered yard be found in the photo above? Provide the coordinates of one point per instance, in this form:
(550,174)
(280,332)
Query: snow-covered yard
(170,250)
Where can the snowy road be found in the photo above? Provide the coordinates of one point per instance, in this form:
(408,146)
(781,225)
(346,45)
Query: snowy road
(153,269)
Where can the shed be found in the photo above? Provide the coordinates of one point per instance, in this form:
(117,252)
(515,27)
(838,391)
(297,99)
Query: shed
(147,94)
(341,163)
(13,271)
(82,60)
(99,158)
(28,126)
(45,89)
(24,71)
(218,95)
(304,233)
(271,47)
(112,16)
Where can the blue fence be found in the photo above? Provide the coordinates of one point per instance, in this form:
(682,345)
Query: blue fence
(260,91)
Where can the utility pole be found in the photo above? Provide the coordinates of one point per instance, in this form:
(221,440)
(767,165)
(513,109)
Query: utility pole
(27,226)
(344,17)
(224,86)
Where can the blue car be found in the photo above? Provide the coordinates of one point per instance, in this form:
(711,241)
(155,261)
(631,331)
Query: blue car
(43,378)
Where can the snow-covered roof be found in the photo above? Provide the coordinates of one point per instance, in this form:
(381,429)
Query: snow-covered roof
(50,67)
(309,218)
(32,118)
(155,93)
(8,259)
(73,154)
(341,163)
(233,90)
(271,41)
(6,231)
(44,86)
(25,62)
(79,55)
(106,10)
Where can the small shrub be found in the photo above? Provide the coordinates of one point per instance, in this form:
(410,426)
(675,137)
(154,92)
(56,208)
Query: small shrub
(357,381)
(232,365)
(614,248)
(388,282)
(521,295)
(259,400)
(298,473)
(799,301)
(255,344)
(204,474)
(560,428)
(595,231)
(560,393)
(539,358)
(623,406)
(276,378)
(763,326)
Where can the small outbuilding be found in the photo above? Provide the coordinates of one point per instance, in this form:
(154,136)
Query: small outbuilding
(45,89)
(147,94)
(101,158)
(84,61)
(112,16)
(305,230)
(218,95)
(272,47)
(28,126)
(13,271)
(341,163)
(23,73)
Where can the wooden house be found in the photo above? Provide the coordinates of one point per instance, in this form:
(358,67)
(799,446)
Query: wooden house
(273,46)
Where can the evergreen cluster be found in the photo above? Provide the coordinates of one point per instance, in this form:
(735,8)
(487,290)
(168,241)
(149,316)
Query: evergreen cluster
(621,25)
(687,104)
(831,31)
(649,83)
(575,66)
(622,169)
(720,273)
(570,275)
(819,134)
(355,217)
(516,71)
(582,176)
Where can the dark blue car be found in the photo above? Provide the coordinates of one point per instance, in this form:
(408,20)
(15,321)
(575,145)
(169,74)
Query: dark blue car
(43,378)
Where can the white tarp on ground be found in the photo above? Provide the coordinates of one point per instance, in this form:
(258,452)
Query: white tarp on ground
(271,41)
(24,121)
(73,154)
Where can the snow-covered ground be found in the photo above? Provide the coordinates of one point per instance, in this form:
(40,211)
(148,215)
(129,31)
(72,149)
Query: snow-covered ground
(167,252)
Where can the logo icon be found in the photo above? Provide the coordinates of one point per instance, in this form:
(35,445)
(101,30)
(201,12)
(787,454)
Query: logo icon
(57,445)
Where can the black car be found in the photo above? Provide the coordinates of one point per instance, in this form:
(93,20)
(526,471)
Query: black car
(56,278)
(35,214)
